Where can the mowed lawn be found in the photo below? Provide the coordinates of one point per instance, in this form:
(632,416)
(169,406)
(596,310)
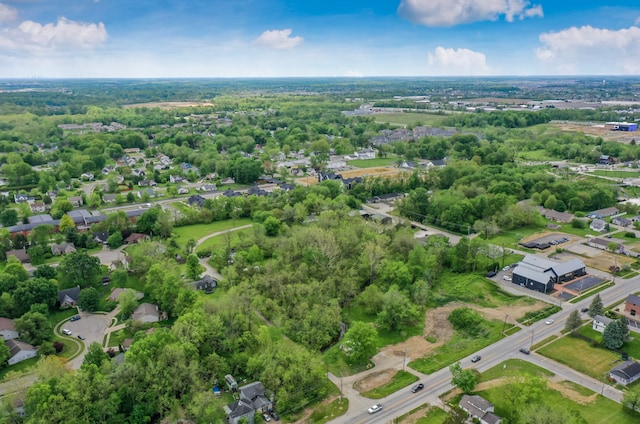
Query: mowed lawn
(197,231)
(372,163)
(581,356)
(217,242)
(409,118)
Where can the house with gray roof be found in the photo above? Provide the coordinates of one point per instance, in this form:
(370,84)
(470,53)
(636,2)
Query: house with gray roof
(598,225)
(7,329)
(252,399)
(20,351)
(626,373)
(69,297)
(479,408)
(20,254)
(600,322)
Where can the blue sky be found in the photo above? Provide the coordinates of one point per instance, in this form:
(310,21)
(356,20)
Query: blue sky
(271,38)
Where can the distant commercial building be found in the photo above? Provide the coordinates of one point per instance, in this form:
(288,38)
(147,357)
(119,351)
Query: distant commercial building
(621,126)
(540,274)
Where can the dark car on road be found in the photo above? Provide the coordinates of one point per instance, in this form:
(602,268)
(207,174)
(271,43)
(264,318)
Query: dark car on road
(524,350)
(417,388)
(81,337)
(476,358)
(490,274)
(75,318)
(584,310)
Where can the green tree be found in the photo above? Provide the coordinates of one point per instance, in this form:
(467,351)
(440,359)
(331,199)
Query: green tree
(8,217)
(631,400)
(4,354)
(79,269)
(613,335)
(540,413)
(95,355)
(396,309)
(34,327)
(66,224)
(456,415)
(573,321)
(194,269)
(596,307)
(115,240)
(465,380)
(128,302)
(272,226)
(360,341)
(34,291)
(41,234)
(45,271)
(14,267)
(89,299)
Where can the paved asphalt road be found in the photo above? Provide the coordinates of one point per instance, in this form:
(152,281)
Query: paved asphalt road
(439,382)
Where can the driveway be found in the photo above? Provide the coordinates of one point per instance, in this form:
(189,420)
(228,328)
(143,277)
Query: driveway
(91,326)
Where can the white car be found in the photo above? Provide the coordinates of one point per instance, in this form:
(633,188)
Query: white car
(506,268)
(506,278)
(375,408)
(549,322)
(66,332)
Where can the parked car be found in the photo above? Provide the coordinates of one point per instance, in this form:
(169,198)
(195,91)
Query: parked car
(506,278)
(490,274)
(506,268)
(584,310)
(75,318)
(266,417)
(66,331)
(81,337)
(549,321)
(417,388)
(476,358)
(375,408)
(524,350)
(275,416)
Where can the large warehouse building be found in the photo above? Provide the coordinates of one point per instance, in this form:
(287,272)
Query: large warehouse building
(541,274)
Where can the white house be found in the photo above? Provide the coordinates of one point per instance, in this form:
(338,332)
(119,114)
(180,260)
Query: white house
(146,312)
(600,322)
(626,373)
(20,351)
(598,225)
(365,154)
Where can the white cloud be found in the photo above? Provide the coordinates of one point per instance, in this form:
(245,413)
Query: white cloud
(456,62)
(454,12)
(637,22)
(354,73)
(278,39)
(32,36)
(600,50)
(7,13)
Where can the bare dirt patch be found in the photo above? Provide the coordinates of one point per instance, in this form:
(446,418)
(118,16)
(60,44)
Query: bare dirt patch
(596,131)
(375,379)
(383,171)
(569,393)
(167,105)
(437,326)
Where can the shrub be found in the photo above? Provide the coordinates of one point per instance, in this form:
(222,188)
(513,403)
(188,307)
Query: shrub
(58,346)
(630,234)
(578,223)
(467,320)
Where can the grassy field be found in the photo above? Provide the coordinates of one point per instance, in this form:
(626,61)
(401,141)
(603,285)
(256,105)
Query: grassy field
(457,348)
(632,347)
(371,163)
(513,368)
(196,232)
(539,155)
(434,415)
(410,118)
(616,174)
(182,207)
(327,412)
(510,239)
(600,411)
(474,289)
(399,381)
(533,317)
(217,242)
(581,356)
(385,337)
(21,367)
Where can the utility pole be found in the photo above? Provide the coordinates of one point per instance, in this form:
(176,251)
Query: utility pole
(404,360)
(505,323)
(531,347)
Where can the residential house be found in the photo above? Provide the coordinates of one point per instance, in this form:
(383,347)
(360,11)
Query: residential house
(257,191)
(76,201)
(22,198)
(146,312)
(623,222)
(561,217)
(252,400)
(603,213)
(68,298)
(385,198)
(207,188)
(336,162)
(146,192)
(20,351)
(88,176)
(598,225)
(600,323)
(365,154)
(7,329)
(196,199)
(108,198)
(62,248)
(177,179)
(20,254)
(479,408)
(183,190)
(603,244)
(38,207)
(115,294)
(606,160)
(541,274)
(287,187)
(206,284)
(436,163)
(138,173)
(136,238)
(626,373)
(632,305)
(147,183)
(228,180)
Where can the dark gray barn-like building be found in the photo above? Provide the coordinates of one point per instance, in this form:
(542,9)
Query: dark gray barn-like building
(541,274)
